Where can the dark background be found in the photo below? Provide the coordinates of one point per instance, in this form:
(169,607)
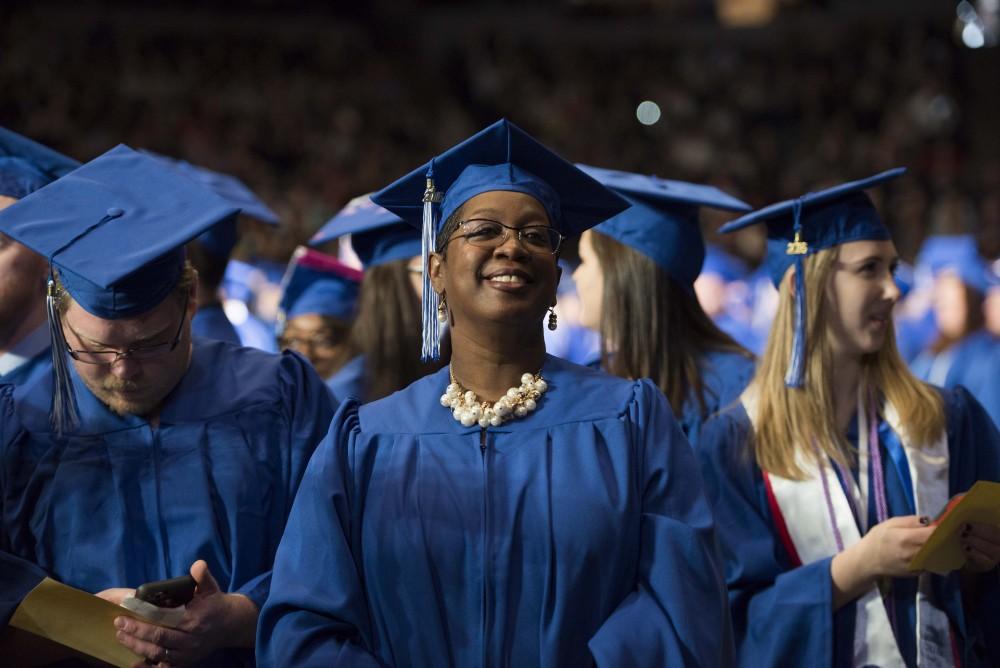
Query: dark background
(312,103)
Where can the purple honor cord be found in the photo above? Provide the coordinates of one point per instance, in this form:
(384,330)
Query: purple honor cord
(878,482)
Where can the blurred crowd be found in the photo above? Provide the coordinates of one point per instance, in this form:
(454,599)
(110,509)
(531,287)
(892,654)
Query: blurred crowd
(313,113)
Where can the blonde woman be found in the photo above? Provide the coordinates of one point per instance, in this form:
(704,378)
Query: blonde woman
(825,476)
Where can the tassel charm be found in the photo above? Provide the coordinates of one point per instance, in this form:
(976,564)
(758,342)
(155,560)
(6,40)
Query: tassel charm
(797,246)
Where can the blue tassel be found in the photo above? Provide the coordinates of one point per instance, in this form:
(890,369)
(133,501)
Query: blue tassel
(795,377)
(64,416)
(430,348)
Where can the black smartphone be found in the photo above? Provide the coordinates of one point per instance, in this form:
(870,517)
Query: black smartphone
(167,593)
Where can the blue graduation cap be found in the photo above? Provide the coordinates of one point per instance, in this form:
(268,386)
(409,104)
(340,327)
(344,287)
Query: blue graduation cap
(115,230)
(662,222)
(500,157)
(802,226)
(720,263)
(26,165)
(958,254)
(318,283)
(378,236)
(221,239)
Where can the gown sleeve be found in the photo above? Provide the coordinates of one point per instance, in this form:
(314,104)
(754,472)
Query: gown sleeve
(677,614)
(311,407)
(316,613)
(17,576)
(975,453)
(782,615)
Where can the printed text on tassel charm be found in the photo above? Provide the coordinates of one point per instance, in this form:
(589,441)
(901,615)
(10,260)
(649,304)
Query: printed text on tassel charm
(797,246)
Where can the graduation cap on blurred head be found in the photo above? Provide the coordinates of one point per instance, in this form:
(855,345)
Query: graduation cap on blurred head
(500,157)
(26,166)
(378,236)
(318,283)
(115,230)
(957,254)
(800,227)
(220,239)
(720,263)
(662,222)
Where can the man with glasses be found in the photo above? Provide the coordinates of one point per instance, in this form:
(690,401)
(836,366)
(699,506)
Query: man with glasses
(25,166)
(146,454)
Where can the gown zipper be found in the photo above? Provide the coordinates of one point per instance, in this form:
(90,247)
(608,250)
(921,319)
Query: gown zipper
(485,617)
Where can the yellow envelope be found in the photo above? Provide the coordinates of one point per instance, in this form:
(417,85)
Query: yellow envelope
(75,619)
(942,553)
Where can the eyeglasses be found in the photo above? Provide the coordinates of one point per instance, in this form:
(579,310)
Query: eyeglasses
(109,357)
(314,342)
(486,233)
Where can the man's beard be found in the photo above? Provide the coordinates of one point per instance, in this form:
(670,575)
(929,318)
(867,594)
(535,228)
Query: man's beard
(137,404)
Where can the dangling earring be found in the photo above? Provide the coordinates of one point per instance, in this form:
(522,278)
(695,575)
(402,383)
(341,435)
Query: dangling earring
(553,320)
(442,313)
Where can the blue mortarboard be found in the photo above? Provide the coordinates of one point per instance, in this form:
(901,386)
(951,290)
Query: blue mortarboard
(905,278)
(220,239)
(662,222)
(26,165)
(956,253)
(377,235)
(720,263)
(318,283)
(115,229)
(802,226)
(500,157)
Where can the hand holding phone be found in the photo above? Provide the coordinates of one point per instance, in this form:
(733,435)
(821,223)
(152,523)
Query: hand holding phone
(171,593)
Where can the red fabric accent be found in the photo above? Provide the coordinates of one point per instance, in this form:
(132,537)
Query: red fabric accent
(313,259)
(779,523)
(956,655)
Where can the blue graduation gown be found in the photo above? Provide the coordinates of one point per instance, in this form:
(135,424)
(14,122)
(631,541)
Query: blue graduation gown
(349,380)
(119,503)
(255,333)
(784,615)
(28,358)
(741,332)
(38,365)
(576,536)
(724,376)
(210,322)
(973,362)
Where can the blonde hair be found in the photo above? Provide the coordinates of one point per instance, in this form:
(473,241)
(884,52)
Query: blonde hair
(788,419)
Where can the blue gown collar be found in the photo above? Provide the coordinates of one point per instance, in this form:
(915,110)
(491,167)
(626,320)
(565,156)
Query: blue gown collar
(574,393)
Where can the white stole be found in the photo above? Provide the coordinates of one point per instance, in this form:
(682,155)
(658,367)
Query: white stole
(805,513)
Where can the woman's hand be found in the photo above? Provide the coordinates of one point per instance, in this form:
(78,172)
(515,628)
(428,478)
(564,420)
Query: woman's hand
(885,551)
(981,545)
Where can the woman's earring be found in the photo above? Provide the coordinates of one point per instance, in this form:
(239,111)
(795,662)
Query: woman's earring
(442,314)
(553,320)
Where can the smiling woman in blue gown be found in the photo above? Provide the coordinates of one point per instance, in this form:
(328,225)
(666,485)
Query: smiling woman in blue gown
(824,478)
(559,522)
(636,281)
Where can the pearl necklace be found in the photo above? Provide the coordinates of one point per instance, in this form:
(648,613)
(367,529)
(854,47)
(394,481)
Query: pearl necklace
(519,401)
